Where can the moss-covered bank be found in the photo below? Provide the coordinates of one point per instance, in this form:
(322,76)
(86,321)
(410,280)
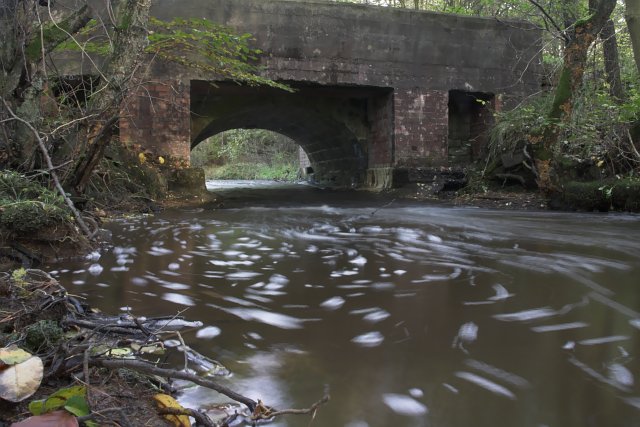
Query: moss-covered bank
(35,223)
(601,196)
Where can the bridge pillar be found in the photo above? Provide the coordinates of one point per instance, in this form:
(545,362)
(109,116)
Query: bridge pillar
(380,148)
(421,127)
(409,130)
(157,118)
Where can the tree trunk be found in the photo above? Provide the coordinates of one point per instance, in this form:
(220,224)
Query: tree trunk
(632,16)
(22,75)
(611,60)
(574,61)
(575,58)
(129,44)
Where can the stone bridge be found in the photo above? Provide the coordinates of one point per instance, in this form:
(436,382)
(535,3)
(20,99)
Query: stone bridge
(379,91)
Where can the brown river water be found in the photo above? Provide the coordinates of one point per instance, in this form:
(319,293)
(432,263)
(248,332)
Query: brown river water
(410,314)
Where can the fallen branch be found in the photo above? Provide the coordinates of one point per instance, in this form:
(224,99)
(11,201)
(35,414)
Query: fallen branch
(103,327)
(275,413)
(134,325)
(148,368)
(258,410)
(512,176)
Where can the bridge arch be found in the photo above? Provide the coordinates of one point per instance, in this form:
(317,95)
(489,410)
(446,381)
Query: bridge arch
(331,125)
(250,152)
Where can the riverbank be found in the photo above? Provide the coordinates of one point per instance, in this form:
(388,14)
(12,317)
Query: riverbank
(63,363)
(38,317)
(494,198)
(613,195)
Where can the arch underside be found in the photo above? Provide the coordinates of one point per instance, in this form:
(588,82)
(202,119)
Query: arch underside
(332,129)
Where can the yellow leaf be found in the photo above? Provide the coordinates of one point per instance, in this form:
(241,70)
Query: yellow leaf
(166,401)
(161,160)
(147,349)
(13,355)
(124,353)
(600,163)
(142,157)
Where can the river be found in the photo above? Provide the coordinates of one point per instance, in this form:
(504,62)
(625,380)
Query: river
(411,314)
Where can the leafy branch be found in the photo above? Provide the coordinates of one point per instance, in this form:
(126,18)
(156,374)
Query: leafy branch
(208,47)
(196,43)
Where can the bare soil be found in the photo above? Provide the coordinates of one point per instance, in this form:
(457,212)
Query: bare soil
(495,197)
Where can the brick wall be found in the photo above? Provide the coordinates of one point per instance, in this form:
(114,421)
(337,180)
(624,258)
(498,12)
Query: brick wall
(157,117)
(421,127)
(303,160)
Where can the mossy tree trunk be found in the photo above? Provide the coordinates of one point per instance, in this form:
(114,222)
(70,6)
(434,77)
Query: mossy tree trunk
(632,17)
(580,39)
(612,60)
(23,81)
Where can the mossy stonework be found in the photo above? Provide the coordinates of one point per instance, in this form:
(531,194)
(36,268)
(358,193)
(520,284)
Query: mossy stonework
(190,181)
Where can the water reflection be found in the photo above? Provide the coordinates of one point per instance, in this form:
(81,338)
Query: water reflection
(486,384)
(404,405)
(412,315)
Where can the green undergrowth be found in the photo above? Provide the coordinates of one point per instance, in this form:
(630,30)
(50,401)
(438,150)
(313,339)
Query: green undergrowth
(124,182)
(519,125)
(597,131)
(28,207)
(279,172)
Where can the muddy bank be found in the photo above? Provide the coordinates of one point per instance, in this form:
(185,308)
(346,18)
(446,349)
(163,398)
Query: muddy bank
(489,198)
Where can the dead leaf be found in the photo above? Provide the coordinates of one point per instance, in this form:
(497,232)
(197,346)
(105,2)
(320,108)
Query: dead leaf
(17,382)
(261,411)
